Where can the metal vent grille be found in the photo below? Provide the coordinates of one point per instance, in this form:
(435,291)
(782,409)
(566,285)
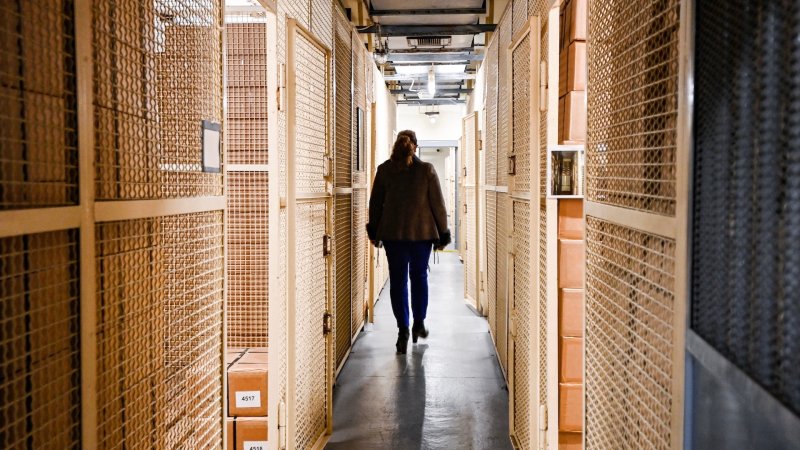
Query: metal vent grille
(521,147)
(39,340)
(360,240)
(630,280)
(342,253)
(39,141)
(157,74)
(491,114)
(503,99)
(429,41)
(312,89)
(159,331)
(491,260)
(633,104)
(343,60)
(311,304)
(248,259)
(519,12)
(522,298)
(502,279)
(745,257)
(246,90)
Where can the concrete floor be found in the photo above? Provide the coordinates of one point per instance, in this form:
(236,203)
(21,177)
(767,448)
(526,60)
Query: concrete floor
(447,393)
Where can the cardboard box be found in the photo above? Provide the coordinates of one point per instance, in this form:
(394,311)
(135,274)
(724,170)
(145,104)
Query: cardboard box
(254,358)
(570,407)
(572,68)
(570,359)
(570,219)
(247,390)
(576,19)
(571,263)
(230,441)
(570,312)
(572,118)
(570,441)
(251,433)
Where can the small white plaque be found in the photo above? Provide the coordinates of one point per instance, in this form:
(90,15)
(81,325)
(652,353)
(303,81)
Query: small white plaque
(248,399)
(255,445)
(211,142)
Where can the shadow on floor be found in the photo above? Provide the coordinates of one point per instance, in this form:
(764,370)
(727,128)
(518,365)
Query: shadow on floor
(447,393)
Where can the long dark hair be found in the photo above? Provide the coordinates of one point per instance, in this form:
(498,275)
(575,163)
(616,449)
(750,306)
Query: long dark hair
(403,149)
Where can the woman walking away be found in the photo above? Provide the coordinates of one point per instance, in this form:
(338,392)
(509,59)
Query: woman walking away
(408,216)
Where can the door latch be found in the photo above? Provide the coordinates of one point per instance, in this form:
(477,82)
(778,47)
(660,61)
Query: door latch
(326,245)
(327,323)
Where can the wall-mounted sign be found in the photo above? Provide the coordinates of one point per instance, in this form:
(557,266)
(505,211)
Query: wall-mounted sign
(211,146)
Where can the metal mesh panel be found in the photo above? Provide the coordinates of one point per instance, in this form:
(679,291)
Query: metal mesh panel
(360,241)
(471,260)
(157,74)
(503,99)
(342,254)
(343,60)
(745,268)
(246,90)
(630,280)
(491,260)
(522,312)
(542,322)
(360,57)
(159,332)
(521,73)
(519,15)
(538,8)
(310,306)
(39,161)
(544,42)
(490,157)
(502,278)
(312,92)
(248,259)
(322,21)
(39,341)
(633,104)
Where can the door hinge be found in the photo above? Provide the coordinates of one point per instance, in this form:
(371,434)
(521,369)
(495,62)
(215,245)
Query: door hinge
(281,91)
(326,245)
(542,426)
(327,323)
(327,166)
(282,425)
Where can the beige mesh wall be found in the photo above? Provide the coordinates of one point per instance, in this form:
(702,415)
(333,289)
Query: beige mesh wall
(311,149)
(522,340)
(159,331)
(540,163)
(503,36)
(247,240)
(343,175)
(359,269)
(39,165)
(40,322)
(471,271)
(40,341)
(362,71)
(632,319)
(490,162)
(147,126)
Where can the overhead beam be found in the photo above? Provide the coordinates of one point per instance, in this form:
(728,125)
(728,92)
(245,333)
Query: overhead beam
(439,76)
(438,91)
(427,30)
(433,57)
(433,102)
(432,50)
(426,12)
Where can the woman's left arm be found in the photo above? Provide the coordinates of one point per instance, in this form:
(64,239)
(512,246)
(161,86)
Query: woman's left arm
(438,208)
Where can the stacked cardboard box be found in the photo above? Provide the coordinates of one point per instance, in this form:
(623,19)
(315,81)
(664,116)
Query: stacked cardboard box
(571,264)
(247,398)
(572,73)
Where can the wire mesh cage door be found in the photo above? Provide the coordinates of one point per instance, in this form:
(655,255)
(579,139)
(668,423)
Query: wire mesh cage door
(470,200)
(636,212)
(309,207)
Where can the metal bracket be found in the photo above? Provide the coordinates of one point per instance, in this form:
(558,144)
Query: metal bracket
(327,323)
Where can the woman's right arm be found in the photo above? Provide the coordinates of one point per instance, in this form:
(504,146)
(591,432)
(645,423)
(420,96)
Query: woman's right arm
(376,199)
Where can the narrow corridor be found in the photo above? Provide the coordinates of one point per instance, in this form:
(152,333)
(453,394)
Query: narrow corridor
(447,393)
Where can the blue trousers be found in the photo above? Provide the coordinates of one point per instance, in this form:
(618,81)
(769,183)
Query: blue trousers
(408,260)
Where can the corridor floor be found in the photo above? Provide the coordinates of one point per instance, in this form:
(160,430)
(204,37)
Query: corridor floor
(447,393)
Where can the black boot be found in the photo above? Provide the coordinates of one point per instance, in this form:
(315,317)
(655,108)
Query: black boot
(402,340)
(418,331)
